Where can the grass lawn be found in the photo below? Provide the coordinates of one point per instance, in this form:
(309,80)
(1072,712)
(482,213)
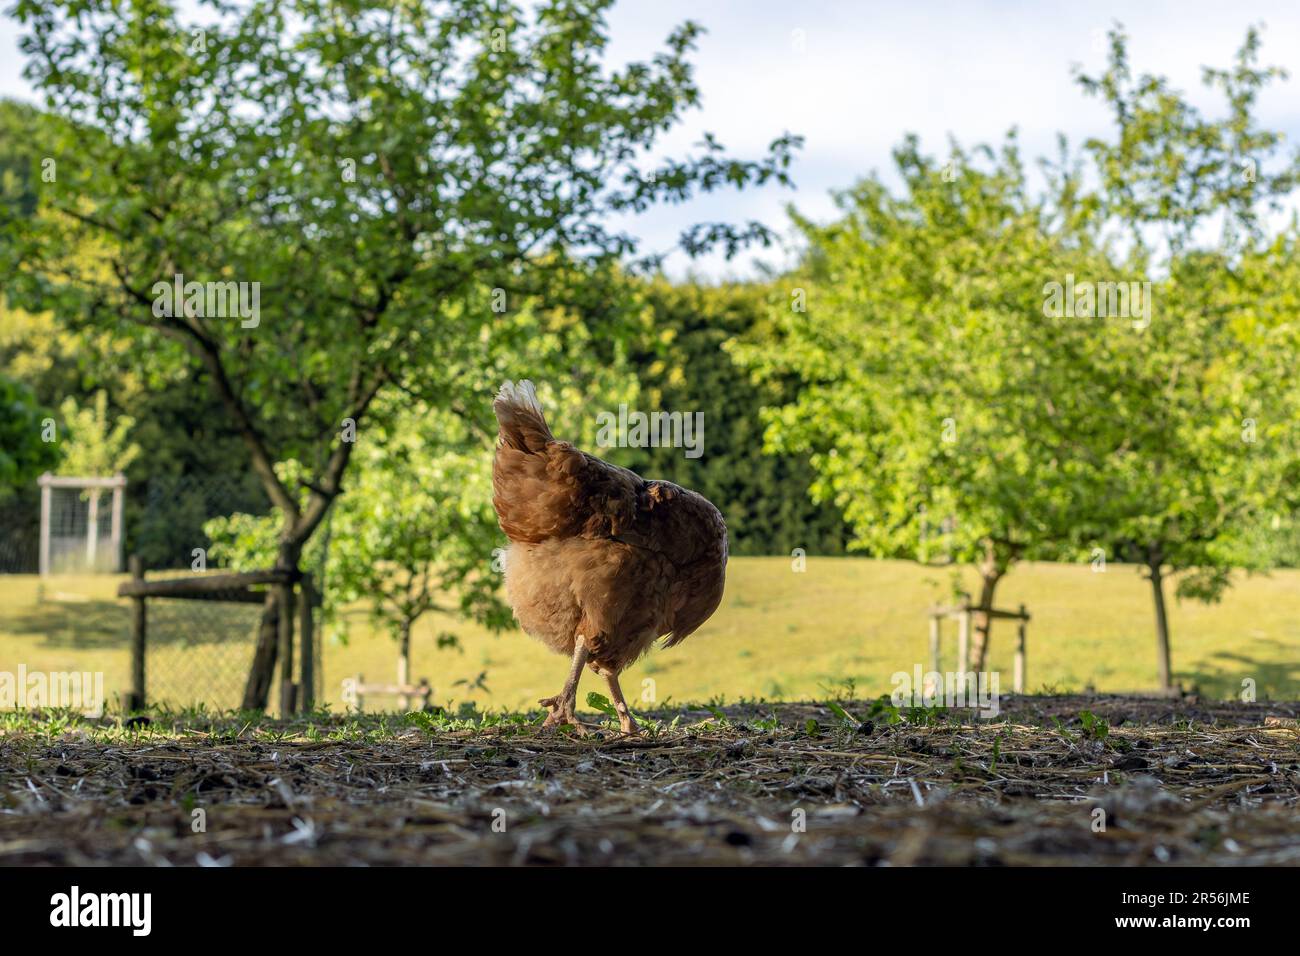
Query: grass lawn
(778,635)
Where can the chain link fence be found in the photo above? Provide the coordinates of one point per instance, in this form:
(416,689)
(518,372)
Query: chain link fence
(169,524)
(199,652)
(20,532)
(195,638)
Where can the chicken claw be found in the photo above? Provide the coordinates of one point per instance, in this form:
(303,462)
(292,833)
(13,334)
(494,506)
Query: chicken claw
(629,727)
(626,724)
(561,712)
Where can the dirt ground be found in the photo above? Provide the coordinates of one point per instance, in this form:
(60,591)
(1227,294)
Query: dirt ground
(1129,782)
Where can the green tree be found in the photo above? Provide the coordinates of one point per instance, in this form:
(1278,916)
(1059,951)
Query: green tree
(385,178)
(96,445)
(1199,442)
(196,462)
(939,380)
(934,399)
(18,166)
(415,531)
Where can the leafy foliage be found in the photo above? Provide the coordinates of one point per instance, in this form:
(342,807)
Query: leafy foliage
(936,383)
(96,445)
(684,365)
(414,533)
(385,174)
(24,453)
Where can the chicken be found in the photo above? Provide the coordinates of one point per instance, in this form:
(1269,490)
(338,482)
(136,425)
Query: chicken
(601,562)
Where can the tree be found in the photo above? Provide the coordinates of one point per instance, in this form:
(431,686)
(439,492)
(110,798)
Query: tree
(18,167)
(95,445)
(417,532)
(195,460)
(942,369)
(1200,443)
(357,190)
(414,533)
(935,401)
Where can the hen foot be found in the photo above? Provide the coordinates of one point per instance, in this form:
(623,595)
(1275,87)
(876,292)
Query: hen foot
(561,712)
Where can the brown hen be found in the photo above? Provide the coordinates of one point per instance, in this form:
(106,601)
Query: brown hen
(601,561)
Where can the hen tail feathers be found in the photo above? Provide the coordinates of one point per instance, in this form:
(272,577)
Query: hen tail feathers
(519,415)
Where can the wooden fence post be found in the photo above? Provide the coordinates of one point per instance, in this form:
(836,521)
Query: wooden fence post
(92,531)
(115,526)
(934,643)
(138,631)
(44,482)
(285,596)
(1018,683)
(307,641)
(963,641)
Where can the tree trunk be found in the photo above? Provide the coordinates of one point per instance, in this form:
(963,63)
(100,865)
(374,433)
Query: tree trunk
(261,676)
(300,523)
(257,690)
(991,573)
(1162,621)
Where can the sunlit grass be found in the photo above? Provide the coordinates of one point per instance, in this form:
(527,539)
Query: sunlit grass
(778,634)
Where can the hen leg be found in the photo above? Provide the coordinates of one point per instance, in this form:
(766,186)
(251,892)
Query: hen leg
(562,705)
(625,721)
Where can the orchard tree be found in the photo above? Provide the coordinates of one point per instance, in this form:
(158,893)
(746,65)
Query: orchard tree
(944,379)
(356,191)
(97,444)
(936,402)
(414,533)
(1200,424)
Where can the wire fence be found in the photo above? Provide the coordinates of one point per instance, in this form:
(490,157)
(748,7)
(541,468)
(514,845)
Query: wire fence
(200,637)
(80,531)
(199,652)
(20,532)
(164,522)
(169,523)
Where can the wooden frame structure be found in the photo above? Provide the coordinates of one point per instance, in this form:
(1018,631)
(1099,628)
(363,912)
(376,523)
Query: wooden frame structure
(962,611)
(117,484)
(355,691)
(246,588)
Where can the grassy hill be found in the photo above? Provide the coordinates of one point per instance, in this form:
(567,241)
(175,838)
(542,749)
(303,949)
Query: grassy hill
(778,634)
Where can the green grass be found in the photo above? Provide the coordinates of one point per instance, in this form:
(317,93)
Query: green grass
(778,634)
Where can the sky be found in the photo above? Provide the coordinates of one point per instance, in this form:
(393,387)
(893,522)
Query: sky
(854,77)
